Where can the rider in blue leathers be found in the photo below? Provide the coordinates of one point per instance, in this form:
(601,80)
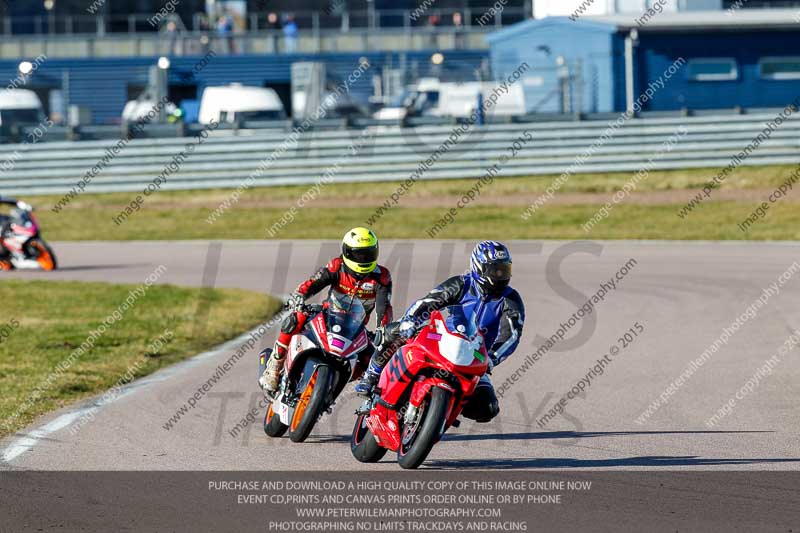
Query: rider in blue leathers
(484,292)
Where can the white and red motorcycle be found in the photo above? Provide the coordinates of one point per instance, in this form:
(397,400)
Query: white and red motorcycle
(21,242)
(320,361)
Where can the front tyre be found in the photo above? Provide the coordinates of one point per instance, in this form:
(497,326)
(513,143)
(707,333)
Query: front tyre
(311,404)
(363,445)
(43,254)
(273,425)
(419,437)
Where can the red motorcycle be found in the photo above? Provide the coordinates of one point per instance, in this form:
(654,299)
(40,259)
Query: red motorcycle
(21,243)
(422,390)
(320,361)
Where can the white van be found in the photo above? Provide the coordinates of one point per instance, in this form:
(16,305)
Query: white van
(437,99)
(237,102)
(419,99)
(20,106)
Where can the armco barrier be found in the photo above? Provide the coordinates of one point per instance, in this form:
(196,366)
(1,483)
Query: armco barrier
(226,160)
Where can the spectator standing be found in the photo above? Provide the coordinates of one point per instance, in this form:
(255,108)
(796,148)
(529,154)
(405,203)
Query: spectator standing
(290,32)
(273,23)
(273,27)
(458,30)
(225,32)
(432,24)
(171,36)
(204,27)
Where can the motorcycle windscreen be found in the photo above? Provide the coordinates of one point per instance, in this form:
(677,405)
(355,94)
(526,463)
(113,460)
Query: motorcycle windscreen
(345,317)
(460,341)
(22,222)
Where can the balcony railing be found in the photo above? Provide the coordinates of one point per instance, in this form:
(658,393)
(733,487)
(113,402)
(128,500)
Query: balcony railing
(474,17)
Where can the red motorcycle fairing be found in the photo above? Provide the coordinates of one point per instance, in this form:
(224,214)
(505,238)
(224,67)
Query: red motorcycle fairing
(421,366)
(419,355)
(384,425)
(423,386)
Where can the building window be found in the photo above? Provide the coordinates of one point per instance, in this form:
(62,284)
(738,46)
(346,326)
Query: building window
(779,68)
(712,69)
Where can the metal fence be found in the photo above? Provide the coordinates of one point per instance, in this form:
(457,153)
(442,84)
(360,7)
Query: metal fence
(251,42)
(343,20)
(228,160)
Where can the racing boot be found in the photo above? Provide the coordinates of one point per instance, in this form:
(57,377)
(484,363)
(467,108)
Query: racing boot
(272,373)
(367,384)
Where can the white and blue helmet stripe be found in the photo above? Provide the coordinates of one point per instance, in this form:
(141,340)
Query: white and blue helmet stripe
(487,252)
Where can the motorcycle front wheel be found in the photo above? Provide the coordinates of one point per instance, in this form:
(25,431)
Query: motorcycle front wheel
(363,445)
(311,403)
(273,425)
(418,438)
(43,254)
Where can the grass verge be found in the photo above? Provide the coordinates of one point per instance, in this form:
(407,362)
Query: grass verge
(496,213)
(45,321)
(711,221)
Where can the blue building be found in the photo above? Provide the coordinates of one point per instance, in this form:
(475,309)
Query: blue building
(691,60)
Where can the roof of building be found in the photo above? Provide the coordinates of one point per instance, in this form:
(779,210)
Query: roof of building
(702,20)
(741,19)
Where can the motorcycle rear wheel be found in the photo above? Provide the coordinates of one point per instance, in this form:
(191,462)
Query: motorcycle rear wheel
(311,404)
(363,445)
(414,448)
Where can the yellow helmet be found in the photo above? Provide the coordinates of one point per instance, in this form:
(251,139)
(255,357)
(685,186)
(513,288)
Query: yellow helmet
(360,250)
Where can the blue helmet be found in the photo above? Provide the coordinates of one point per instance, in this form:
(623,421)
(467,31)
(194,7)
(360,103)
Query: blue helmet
(490,267)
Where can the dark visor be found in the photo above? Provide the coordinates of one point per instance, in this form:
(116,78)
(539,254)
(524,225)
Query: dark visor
(498,271)
(362,255)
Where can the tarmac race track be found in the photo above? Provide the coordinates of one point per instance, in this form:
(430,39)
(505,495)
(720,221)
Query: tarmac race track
(673,300)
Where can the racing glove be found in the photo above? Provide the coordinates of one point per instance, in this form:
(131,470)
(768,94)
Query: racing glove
(407,329)
(295,302)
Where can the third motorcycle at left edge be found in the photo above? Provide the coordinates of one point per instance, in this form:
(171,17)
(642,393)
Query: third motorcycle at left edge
(21,242)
